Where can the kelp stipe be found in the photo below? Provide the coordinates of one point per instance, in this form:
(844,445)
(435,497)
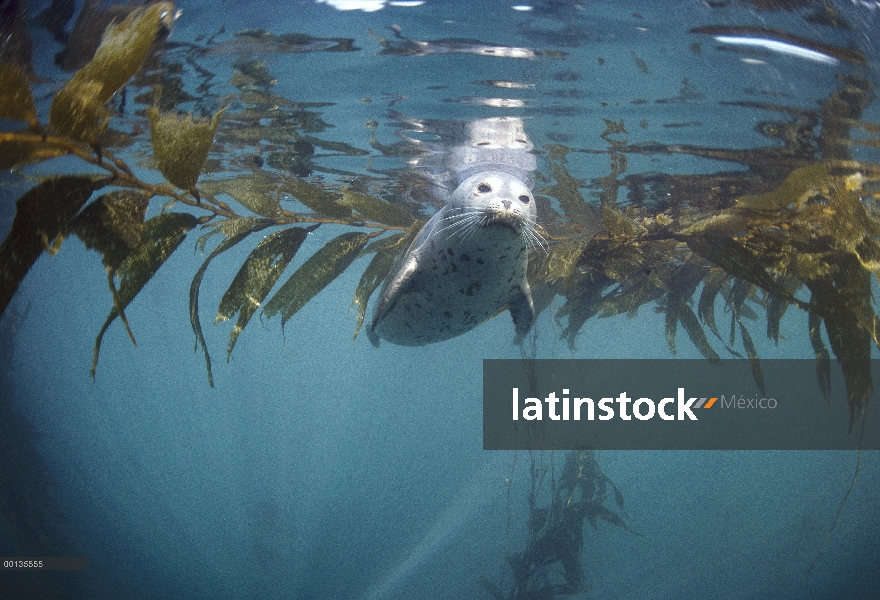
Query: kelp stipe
(550,564)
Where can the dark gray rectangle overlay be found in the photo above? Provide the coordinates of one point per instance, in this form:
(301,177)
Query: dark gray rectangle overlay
(43,563)
(792,413)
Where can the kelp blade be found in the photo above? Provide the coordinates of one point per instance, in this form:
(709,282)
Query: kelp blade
(78,108)
(20,152)
(42,214)
(255,192)
(377,210)
(688,319)
(712,284)
(375,274)
(315,274)
(181,144)
(112,225)
(618,224)
(754,360)
(316,198)
(823,358)
(566,191)
(161,237)
(256,278)
(16,102)
(246,227)
(563,260)
(737,260)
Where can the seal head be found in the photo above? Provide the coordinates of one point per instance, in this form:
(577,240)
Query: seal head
(467,264)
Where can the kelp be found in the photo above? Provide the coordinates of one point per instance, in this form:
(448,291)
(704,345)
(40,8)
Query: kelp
(256,278)
(16,102)
(317,198)
(88,29)
(162,235)
(112,225)
(618,224)
(239,231)
(377,210)
(566,191)
(386,251)
(257,193)
(42,216)
(17,45)
(315,274)
(14,153)
(550,563)
(795,229)
(181,144)
(78,109)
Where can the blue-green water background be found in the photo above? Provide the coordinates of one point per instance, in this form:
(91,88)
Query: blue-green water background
(321,468)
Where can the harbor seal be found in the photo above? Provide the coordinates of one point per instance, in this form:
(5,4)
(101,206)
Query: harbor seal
(469,262)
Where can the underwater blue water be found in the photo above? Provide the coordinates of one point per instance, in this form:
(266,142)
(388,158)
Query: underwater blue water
(318,467)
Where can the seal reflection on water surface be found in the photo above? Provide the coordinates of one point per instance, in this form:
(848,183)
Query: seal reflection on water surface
(469,262)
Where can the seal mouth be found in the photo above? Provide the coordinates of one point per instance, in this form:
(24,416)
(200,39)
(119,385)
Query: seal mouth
(507,223)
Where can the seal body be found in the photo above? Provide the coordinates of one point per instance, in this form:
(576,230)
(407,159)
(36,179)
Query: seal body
(467,264)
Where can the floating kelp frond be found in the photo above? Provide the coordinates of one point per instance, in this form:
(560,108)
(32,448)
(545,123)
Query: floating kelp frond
(256,192)
(375,209)
(256,278)
(386,249)
(112,225)
(41,218)
(78,109)
(315,274)
(237,231)
(161,237)
(88,29)
(181,145)
(16,102)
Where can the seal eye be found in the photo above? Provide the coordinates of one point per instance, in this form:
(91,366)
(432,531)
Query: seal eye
(524,199)
(484,188)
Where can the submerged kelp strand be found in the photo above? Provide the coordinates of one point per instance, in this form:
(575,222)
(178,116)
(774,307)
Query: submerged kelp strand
(79,108)
(161,237)
(16,102)
(41,219)
(244,228)
(181,144)
(550,564)
(315,274)
(257,276)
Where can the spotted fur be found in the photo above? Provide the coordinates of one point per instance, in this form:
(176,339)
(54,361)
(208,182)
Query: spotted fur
(467,264)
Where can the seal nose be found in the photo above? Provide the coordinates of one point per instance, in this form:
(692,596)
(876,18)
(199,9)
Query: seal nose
(506,204)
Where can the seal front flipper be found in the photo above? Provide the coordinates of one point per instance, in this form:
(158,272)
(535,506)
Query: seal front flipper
(401,274)
(391,293)
(523,311)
